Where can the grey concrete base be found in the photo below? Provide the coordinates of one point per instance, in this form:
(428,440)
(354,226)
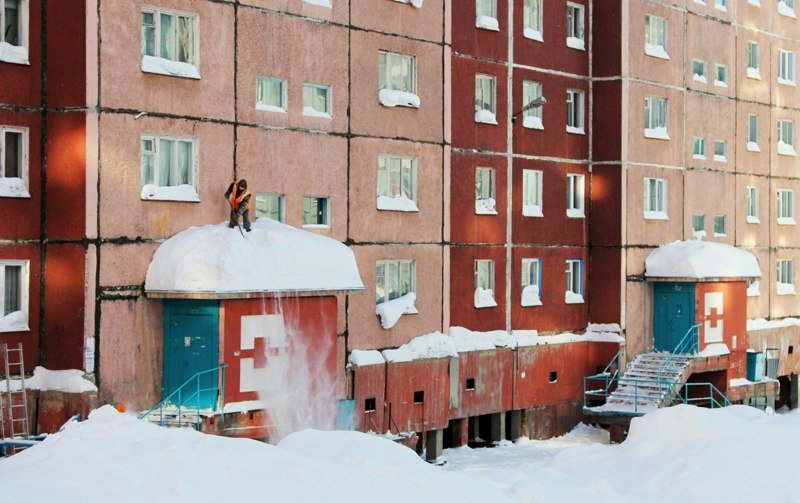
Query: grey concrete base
(498,427)
(434,445)
(514,421)
(793,378)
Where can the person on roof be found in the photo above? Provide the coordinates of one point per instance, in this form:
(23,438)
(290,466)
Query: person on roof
(239,198)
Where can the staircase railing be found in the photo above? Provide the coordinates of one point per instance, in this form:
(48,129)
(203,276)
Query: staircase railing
(182,397)
(689,345)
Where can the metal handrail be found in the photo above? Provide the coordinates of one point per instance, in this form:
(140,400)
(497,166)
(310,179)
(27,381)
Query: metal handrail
(687,345)
(679,391)
(195,395)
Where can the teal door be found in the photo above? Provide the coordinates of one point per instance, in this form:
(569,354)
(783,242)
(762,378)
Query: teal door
(191,345)
(673,313)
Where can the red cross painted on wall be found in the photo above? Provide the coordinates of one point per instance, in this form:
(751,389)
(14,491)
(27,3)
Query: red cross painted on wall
(714,318)
(260,352)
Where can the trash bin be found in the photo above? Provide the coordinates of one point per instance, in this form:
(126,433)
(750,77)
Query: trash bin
(756,364)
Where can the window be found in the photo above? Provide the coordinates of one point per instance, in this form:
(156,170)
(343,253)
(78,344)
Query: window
(316,101)
(751,200)
(369,405)
(14,295)
(393,279)
(786,138)
(699,71)
(575,111)
(719,225)
(532,117)
(397,183)
(169,168)
(270,94)
(575,196)
(655,118)
(531,282)
(169,43)
(397,80)
(486,15)
(484,283)
(574,290)
(721,4)
(655,199)
(532,193)
(575,26)
(485,201)
(786,8)
(699,225)
(785,277)
(315,211)
(532,20)
(419,397)
(720,151)
(699,148)
(469,385)
(270,206)
(14,31)
(786,67)
(13,162)
(485,99)
(655,36)
(752,60)
(720,75)
(786,207)
(752,133)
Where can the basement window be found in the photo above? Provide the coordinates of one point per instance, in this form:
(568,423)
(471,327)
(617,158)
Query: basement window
(419,397)
(369,405)
(553,376)
(470,386)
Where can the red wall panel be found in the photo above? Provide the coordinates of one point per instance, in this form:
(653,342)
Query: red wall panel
(66,175)
(553,53)
(607,39)
(493,372)
(462,288)
(466,132)
(467,39)
(432,377)
(62,345)
(22,84)
(605,280)
(370,383)
(465,225)
(607,121)
(66,53)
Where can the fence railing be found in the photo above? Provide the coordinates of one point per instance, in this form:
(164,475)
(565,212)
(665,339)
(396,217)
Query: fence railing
(189,398)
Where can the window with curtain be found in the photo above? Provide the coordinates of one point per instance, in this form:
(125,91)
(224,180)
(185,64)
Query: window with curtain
(168,161)
(393,279)
(396,72)
(397,176)
(169,35)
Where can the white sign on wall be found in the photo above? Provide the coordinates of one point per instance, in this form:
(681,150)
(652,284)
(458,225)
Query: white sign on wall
(712,326)
(269,328)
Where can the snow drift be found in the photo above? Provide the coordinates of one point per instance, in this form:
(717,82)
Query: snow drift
(701,259)
(274,257)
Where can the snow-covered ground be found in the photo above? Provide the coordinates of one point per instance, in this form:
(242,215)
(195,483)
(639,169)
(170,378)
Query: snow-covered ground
(677,454)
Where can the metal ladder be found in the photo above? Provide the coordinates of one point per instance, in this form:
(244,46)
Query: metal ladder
(16,400)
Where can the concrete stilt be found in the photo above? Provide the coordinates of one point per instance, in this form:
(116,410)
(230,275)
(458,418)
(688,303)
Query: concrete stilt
(793,379)
(498,427)
(474,428)
(434,445)
(514,419)
(459,432)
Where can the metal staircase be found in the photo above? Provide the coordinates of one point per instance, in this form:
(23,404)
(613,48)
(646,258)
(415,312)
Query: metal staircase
(14,419)
(182,408)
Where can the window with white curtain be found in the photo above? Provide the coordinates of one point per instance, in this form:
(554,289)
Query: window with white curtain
(14,31)
(169,36)
(393,279)
(786,138)
(397,183)
(786,207)
(575,188)
(751,201)
(14,161)
(270,94)
(168,161)
(397,72)
(787,67)
(575,26)
(655,36)
(785,277)
(655,199)
(532,20)
(655,118)
(14,281)
(532,193)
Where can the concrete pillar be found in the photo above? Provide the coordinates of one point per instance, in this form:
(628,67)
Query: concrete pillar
(616,433)
(433,445)
(459,432)
(514,418)
(474,427)
(498,427)
(793,379)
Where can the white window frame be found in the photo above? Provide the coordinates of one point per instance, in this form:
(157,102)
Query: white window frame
(787,67)
(396,167)
(386,61)
(532,117)
(260,199)
(753,60)
(656,36)
(656,117)
(787,8)
(752,133)
(309,111)
(533,20)
(24,301)
(784,277)
(155,195)
(699,141)
(576,185)
(15,54)
(573,285)
(412,280)
(17,186)
(655,199)
(485,204)
(160,64)
(720,70)
(575,111)
(483,114)
(266,107)
(700,77)
(717,220)
(723,157)
(576,26)
(489,283)
(786,207)
(531,276)
(721,5)
(751,205)
(786,138)
(326,212)
(532,203)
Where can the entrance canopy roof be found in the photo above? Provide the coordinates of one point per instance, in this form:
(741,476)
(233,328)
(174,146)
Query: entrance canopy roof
(215,261)
(701,260)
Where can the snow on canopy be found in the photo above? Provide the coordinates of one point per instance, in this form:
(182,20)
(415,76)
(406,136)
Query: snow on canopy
(701,259)
(274,257)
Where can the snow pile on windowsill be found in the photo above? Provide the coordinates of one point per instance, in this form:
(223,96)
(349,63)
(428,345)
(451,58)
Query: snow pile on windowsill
(720,83)
(576,43)
(784,289)
(573,298)
(785,10)
(753,73)
(261,107)
(487,23)
(484,298)
(530,296)
(67,381)
(16,321)
(311,112)
(532,34)
(532,122)
(532,338)
(428,346)
(485,117)
(362,357)
(716,349)
(753,289)
(656,51)
(764,324)
(786,82)
(575,213)
(786,221)
(753,147)
(245,406)
(13,54)
(180,193)
(485,206)
(701,259)
(13,187)
(656,133)
(575,130)
(699,78)
(401,203)
(656,215)
(274,257)
(786,149)
(532,210)
(469,340)
(394,98)
(161,66)
(391,310)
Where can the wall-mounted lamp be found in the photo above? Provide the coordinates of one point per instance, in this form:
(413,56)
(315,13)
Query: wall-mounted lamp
(536,103)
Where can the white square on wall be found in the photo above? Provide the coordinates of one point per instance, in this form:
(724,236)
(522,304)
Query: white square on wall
(712,328)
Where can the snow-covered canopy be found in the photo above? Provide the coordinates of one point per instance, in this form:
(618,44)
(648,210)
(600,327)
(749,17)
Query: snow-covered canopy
(273,258)
(701,260)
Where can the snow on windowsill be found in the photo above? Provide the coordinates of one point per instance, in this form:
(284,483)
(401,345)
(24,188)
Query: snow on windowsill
(485,117)
(753,73)
(699,235)
(532,210)
(723,8)
(530,296)
(656,51)
(786,149)
(13,187)
(753,289)
(699,157)
(716,349)
(786,221)
(720,235)
(395,98)
(532,122)
(532,34)
(752,219)
(432,345)
(270,108)
(484,298)
(764,324)
(391,310)
(753,147)
(310,112)
(784,289)
(656,133)
(720,158)
(182,193)
(787,82)
(573,298)
(720,83)
(413,3)
(656,215)
(162,66)
(67,381)
(485,207)
(575,130)
(13,54)
(319,3)
(785,10)
(487,23)
(699,78)
(16,321)
(402,203)
(754,3)
(362,358)
(575,213)
(576,43)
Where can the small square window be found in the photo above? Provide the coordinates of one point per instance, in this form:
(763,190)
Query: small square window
(369,405)
(316,101)
(699,148)
(397,183)
(270,94)
(394,279)
(699,224)
(470,384)
(169,168)
(720,151)
(553,377)
(721,4)
(719,225)
(787,8)
(419,397)
(486,15)
(315,212)
(720,75)
(699,71)
(270,206)
(397,72)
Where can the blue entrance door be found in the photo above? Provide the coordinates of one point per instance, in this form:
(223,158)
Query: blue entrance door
(673,313)
(191,345)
